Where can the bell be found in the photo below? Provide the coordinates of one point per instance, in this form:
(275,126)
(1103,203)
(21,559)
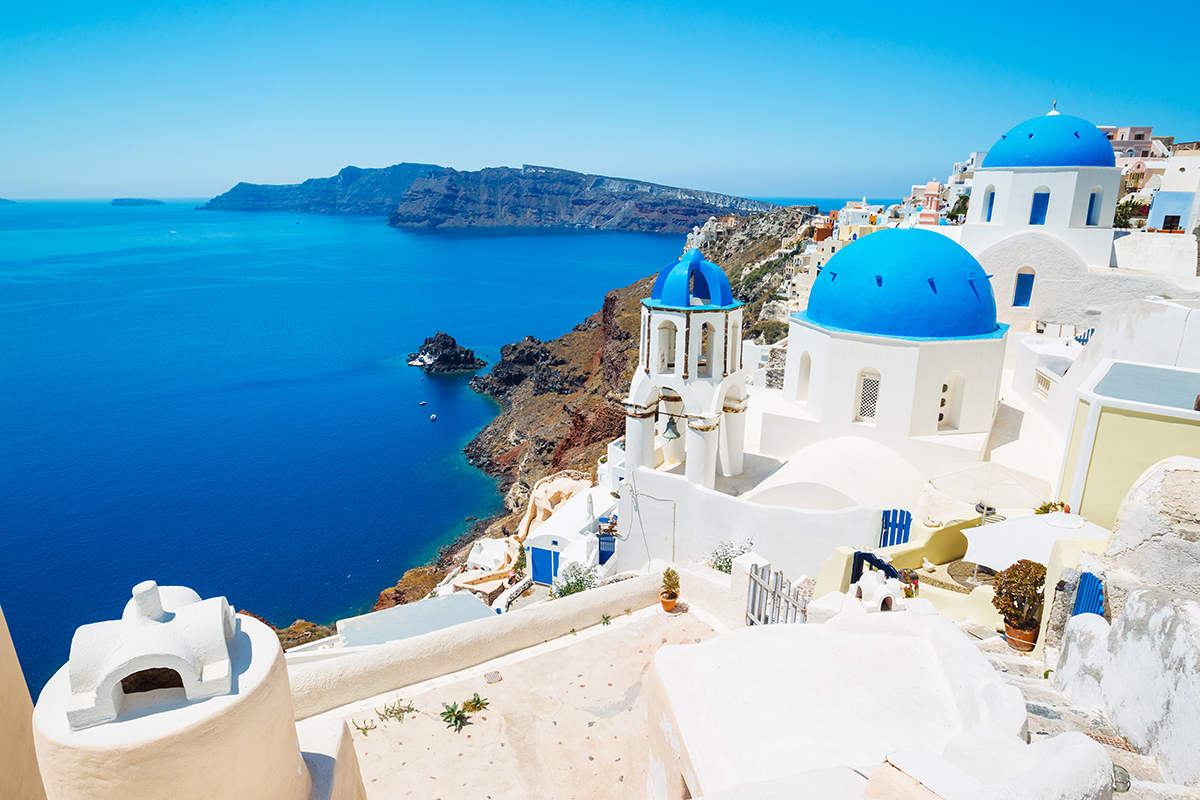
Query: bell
(671,432)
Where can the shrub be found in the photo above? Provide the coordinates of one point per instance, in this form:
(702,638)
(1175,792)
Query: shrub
(670,582)
(1019,594)
(1050,508)
(722,558)
(574,578)
(519,567)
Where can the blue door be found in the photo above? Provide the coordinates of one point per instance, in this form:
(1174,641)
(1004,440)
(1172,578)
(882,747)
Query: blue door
(1037,214)
(608,546)
(1024,290)
(545,564)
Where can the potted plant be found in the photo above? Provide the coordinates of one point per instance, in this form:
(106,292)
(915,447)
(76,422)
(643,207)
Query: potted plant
(1019,599)
(670,589)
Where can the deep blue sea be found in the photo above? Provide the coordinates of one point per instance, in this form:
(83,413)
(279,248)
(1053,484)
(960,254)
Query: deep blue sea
(221,400)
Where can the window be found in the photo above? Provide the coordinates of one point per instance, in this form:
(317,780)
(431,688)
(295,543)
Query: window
(950,402)
(1024,288)
(1137,137)
(805,376)
(868,395)
(708,337)
(1145,153)
(989,203)
(1094,203)
(1171,222)
(1041,202)
(665,360)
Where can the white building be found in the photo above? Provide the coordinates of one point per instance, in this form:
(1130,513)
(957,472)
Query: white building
(1040,223)
(892,375)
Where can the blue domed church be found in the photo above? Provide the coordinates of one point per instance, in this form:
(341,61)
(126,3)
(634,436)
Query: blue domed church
(899,344)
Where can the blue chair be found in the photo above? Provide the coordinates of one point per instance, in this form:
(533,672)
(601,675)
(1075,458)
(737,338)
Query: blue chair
(897,523)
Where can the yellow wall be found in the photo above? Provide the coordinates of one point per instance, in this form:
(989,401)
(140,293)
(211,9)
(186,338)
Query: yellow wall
(1127,444)
(1068,476)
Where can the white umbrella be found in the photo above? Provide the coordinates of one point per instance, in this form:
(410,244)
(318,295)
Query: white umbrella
(993,485)
(1002,544)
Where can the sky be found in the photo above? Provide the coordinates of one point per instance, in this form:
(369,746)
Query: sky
(760,99)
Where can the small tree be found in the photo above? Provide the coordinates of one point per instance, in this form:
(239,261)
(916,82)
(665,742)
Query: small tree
(670,583)
(574,578)
(519,567)
(1019,594)
(960,206)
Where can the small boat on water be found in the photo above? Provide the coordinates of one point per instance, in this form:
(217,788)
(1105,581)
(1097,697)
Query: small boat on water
(421,403)
(433,417)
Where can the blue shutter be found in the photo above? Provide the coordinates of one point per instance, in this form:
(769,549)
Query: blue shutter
(1041,202)
(1091,217)
(991,205)
(1089,598)
(897,523)
(608,546)
(1024,290)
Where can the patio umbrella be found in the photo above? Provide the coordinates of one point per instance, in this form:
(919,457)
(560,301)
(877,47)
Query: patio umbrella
(1002,544)
(993,485)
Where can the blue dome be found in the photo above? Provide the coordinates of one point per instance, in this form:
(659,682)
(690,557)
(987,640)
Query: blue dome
(711,287)
(1054,140)
(906,283)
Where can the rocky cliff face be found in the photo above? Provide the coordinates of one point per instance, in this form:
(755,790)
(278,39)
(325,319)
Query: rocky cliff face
(548,197)
(428,196)
(351,191)
(561,399)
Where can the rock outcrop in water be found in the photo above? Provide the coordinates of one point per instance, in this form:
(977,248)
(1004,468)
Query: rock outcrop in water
(136,201)
(441,353)
(428,196)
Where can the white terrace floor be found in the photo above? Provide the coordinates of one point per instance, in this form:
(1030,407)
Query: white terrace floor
(567,720)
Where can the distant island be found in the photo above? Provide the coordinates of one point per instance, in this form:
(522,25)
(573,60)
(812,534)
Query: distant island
(136,201)
(4,202)
(429,196)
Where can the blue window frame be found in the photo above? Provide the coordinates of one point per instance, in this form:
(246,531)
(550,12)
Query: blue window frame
(991,205)
(1041,202)
(1093,217)
(1024,290)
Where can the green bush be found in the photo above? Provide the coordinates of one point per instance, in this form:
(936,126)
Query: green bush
(519,567)
(574,578)
(722,558)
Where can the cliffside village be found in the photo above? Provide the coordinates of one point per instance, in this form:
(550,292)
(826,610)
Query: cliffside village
(940,540)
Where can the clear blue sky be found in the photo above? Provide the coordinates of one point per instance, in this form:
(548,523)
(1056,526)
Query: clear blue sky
(175,99)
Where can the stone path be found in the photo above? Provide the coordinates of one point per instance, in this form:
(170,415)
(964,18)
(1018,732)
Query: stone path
(1051,713)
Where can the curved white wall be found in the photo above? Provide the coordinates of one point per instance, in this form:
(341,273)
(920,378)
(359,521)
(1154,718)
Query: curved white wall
(232,747)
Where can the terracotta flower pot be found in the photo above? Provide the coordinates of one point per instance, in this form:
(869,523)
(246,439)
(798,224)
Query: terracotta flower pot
(1019,639)
(668,600)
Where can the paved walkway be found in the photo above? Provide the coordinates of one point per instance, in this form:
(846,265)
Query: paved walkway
(567,720)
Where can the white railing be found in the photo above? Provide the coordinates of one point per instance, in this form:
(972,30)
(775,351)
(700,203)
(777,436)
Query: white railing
(1041,385)
(771,599)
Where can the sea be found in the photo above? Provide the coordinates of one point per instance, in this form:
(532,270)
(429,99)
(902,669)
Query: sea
(221,400)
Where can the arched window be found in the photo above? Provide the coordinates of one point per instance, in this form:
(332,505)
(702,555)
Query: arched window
(989,203)
(1041,203)
(1023,290)
(866,399)
(665,358)
(708,339)
(804,377)
(950,402)
(1094,203)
